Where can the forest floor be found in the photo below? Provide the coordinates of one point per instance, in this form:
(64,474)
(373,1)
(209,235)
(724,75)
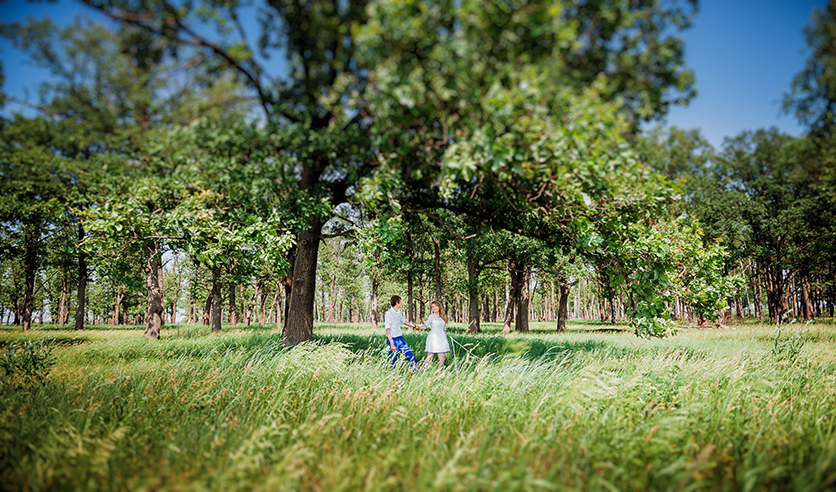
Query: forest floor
(596,408)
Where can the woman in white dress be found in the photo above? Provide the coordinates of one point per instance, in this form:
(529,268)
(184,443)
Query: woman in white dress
(437,338)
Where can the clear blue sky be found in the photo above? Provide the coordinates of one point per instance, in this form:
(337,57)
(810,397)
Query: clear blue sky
(744,52)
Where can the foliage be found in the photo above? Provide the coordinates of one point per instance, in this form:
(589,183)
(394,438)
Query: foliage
(27,362)
(813,95)
(110,83)
(666,260)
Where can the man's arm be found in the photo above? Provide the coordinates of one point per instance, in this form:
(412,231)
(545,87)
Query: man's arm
(407,323)
(389,337)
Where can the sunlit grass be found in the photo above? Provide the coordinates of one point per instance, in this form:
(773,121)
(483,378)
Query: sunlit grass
(589,409)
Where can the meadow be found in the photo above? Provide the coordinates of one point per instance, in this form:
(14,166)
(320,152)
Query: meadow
(595,408)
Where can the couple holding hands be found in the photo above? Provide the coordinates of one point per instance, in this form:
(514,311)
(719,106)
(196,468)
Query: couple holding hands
(436,340)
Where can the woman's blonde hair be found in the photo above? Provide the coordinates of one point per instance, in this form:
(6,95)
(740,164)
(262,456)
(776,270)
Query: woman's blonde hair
(440,310)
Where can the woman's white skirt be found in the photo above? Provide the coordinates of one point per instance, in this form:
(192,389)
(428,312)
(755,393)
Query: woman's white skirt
(437,342)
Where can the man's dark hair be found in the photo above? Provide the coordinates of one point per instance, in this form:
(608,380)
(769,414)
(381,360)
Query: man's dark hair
(395,300)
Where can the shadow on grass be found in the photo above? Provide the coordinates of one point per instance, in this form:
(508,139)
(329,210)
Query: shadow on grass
(485,346)
(59,340)
(166,329)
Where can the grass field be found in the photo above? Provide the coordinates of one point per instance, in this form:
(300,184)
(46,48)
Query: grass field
(593,409)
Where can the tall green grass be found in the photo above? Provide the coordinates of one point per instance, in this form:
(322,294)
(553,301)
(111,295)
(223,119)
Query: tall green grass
(585,410)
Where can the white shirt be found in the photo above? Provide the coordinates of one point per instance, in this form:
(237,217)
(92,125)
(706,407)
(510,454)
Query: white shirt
(392,321)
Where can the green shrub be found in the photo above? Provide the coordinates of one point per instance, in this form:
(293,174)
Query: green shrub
(27,362)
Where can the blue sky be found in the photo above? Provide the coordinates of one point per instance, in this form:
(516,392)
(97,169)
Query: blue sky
(744,52)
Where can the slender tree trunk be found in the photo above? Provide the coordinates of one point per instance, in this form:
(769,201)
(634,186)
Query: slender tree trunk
(233,309)
(154,311)
(161,278)
(300,316)
(806,295)
(81,297)
(217,300)
(174,304)
(279,310)
(373,300)
(242,296)
(206,318)
(190,304)
(775,293)
(473,296)
(523,298)
(757,290)
(63,312)
(120,295)
(437,250)
(262,313)
(287,283)
(410,302)
(578,305)
(248,312)
(332,306)
(511,292)
(563,306)
(30,261)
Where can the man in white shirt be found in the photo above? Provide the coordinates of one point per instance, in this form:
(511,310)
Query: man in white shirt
(392,322)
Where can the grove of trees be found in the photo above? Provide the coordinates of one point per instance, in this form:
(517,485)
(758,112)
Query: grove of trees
(490,155)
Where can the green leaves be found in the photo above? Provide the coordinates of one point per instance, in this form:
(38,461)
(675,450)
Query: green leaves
(660,262)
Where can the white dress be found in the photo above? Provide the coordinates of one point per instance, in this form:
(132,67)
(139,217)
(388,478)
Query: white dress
(437,338)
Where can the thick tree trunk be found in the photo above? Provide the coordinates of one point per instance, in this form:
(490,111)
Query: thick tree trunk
(523,298)
(154,311)
(217,300)
(81,293)
(563,307)
(473,326)
(300,315)
(233,309)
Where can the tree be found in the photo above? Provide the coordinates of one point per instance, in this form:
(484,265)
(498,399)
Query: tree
(32,189)
(766,190)
(108,88)
(372,86)
(635,48)
(813,94)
